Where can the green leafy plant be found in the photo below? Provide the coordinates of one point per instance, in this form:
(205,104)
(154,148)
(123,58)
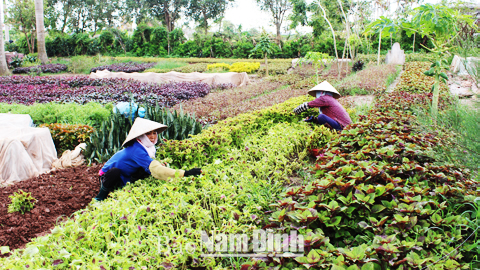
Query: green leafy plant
(440,24)
(21,202)
(106,140)
(383,26)
(265,47)
(15,62)
(317,59)
(91,114)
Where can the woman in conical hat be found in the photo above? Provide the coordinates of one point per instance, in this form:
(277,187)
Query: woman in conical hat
(136,161)
(332,114)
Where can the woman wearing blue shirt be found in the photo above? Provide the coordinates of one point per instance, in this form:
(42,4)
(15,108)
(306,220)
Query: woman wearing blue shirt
(136,160)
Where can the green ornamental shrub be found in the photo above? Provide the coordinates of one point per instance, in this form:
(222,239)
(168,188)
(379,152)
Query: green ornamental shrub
(68,136)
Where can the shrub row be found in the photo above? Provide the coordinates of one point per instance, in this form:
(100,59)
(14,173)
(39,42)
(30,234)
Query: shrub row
(371,80)
(68,136)
(49,113)
(82,90)
(247,67)
(128,67)
(49,68)
(414,80)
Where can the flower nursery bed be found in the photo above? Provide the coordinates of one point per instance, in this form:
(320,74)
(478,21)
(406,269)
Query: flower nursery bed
(81,89)
(58,193)
(128,67)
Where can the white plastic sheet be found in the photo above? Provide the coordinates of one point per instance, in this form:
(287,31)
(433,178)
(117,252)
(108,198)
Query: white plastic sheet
(25,151)
(239,79)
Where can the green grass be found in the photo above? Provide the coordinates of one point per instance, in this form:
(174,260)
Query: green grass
(169,64)
(460,128)
(90,114)
(391,78)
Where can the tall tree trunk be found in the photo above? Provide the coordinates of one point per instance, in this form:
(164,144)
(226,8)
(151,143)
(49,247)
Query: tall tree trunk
(279,37)
(266,65)
(3,61)
(42,52)
(413,42)
(205,21)
(379,46)
(333,33)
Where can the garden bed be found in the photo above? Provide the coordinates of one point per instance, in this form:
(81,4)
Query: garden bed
(58,193)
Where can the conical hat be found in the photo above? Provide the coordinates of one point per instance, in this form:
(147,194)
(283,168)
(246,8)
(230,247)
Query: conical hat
(324,86)
(142,126)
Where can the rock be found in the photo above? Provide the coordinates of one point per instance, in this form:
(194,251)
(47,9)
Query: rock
(466,84)
(458,65)
(395,55)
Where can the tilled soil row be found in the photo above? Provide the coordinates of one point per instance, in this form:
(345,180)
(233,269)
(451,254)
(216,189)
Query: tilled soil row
(59,194)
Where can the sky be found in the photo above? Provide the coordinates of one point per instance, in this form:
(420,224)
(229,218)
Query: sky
(248,14)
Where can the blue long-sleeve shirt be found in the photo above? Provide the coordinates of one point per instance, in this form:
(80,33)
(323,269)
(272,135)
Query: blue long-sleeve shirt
(129,160)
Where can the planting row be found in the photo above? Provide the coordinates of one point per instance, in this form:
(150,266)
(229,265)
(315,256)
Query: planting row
(268,92)
(128,67)
(414,80)
(380,201)
(78,90)
(49,68)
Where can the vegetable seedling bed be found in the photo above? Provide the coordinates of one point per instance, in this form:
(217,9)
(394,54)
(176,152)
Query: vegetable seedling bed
(58,193)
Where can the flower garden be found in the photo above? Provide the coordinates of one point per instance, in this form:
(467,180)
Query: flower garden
(374,196)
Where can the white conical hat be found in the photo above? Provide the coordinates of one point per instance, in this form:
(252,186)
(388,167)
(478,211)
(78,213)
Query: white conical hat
(324,86)
(142,126)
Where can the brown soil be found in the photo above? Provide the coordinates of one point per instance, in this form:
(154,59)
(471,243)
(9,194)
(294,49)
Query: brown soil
(59,194)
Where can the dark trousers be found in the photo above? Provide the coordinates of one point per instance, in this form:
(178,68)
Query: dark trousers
(111,179)
(322,119)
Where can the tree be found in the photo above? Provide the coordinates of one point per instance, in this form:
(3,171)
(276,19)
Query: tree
(317,59)
(277,9)
(440,24)
(312,15)
(23,16)
(333,34)
(265,47)
(382,26)
(203,10)
(42,52)
(84,15)
(3,61)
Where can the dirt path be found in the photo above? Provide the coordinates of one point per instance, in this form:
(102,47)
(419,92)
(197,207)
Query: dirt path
(59,194)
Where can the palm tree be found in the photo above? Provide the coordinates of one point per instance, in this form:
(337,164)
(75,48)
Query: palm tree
(3,61)
(42,52)
(382,27)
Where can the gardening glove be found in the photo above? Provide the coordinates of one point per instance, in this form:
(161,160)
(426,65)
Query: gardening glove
(161,172)
(193,172)
(303,107)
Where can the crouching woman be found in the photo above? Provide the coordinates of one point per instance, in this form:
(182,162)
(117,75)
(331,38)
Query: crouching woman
(331,112)
(136,160)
